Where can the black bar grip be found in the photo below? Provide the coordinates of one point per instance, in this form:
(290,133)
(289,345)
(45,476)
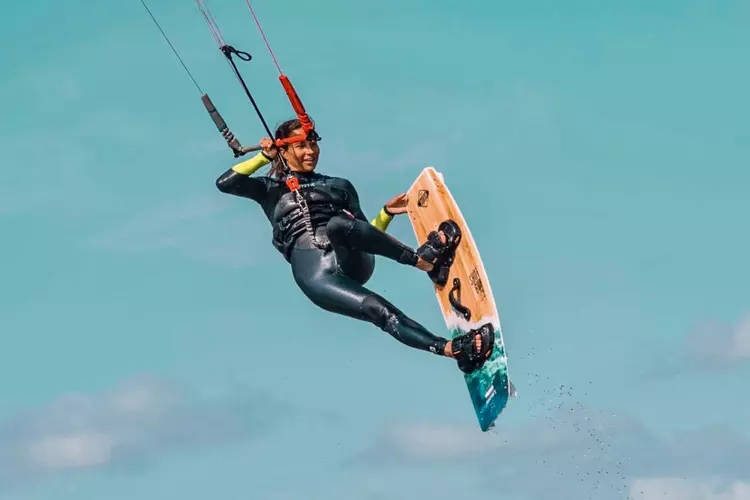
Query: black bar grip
(219,121)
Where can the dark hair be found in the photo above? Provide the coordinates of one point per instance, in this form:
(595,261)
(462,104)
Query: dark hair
(283,131)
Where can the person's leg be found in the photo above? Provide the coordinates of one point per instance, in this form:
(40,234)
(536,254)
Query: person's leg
(320,278)
(346,233)
(435,256)
(316,275)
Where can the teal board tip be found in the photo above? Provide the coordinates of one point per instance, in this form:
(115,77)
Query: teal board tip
(489,387)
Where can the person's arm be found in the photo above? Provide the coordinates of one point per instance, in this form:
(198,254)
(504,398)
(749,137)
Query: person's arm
(249,167)
(383,219)
(394,206)
(237,180)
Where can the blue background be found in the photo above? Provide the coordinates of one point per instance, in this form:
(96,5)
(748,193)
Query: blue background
(154,344)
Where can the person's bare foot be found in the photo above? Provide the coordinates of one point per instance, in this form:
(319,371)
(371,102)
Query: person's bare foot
(423,265)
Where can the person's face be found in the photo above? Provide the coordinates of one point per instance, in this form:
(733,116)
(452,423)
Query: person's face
(301,156)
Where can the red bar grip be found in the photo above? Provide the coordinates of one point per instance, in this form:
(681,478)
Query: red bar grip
(299,108)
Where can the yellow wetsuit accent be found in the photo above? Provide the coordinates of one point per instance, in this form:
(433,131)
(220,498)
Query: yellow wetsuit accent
(249,167)
(382,220)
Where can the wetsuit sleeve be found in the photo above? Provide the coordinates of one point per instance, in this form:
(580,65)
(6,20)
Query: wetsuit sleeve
(249,167)
(382,220)
(237,180)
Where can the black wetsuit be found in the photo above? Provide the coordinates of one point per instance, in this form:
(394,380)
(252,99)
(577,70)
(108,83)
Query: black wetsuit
(333,276)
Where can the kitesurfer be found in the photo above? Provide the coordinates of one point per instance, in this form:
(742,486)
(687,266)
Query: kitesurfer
(320,228)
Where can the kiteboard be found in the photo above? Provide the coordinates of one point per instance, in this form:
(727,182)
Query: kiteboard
(466,298)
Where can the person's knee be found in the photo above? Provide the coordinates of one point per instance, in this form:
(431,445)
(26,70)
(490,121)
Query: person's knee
(338,228)
(379,311)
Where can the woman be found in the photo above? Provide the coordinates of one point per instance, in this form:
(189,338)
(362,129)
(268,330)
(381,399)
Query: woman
(323,233)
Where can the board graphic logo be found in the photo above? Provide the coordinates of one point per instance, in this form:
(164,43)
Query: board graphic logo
(490,393)
(423,197)
(476,282)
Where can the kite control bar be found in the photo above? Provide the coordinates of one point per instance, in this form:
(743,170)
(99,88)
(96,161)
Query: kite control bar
(308,127)
(240,150)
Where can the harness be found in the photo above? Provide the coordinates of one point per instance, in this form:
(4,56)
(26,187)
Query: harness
(306,218)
